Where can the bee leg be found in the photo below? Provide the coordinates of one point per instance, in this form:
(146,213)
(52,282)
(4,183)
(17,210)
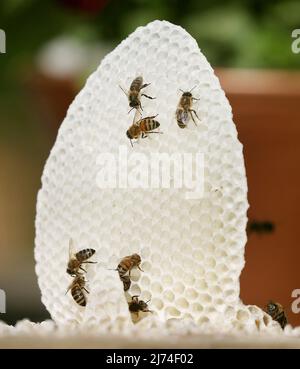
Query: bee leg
(86,290)
(149,97)
(192,117)
(78,274)
(89,262)
(145,85)
(82,269)
(191,111)
(144,135)
(194,98)
(123,90)
(194,111)
(153,116)
(140,268)
(69,288)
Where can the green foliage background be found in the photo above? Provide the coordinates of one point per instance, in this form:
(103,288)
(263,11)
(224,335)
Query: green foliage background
(244,34)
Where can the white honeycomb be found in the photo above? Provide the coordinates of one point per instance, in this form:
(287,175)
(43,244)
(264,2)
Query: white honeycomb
(192,250)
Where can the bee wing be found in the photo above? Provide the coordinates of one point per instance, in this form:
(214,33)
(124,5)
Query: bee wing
(70,286)
(71,248)
(123,89)
(137,117)
(185,117)
(182,115)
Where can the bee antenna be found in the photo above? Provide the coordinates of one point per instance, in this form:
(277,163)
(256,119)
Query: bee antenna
(71,243)
(181,90)
(123,90)
(131,143)
(193,88)
(130,110)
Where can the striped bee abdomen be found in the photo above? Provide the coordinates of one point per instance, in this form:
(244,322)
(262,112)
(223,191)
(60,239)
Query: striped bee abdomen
(77,287)
(123,269)
(78,295)
(85,254)
(281,319)
(126,282)
(125,266)
(182,118)
(180,124)
(136,84)
(148,125)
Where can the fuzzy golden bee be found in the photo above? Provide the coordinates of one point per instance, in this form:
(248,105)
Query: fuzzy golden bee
(184,109)
(276,311)
(77,287)
(134,94)
(76,260)
(135,306)
(142,128)
(125,266)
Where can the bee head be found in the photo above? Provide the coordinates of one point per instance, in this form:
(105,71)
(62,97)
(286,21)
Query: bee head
(134,104)
(271,307)
(129,135)
(143,305)
(136,258)
(71,272)
(187,94)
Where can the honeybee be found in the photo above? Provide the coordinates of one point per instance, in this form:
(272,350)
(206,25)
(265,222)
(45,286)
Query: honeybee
(126,282)
(136,305)
(125,266)
(134,93)
(276,311)
(76,260)
(184,109)
(77,287)
(258,227)
(142,128)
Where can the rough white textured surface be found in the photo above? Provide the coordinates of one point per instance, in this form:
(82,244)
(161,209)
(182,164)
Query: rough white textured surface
(171,334)
(192,250)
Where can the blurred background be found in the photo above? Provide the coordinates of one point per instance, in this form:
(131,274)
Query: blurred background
(52,46)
